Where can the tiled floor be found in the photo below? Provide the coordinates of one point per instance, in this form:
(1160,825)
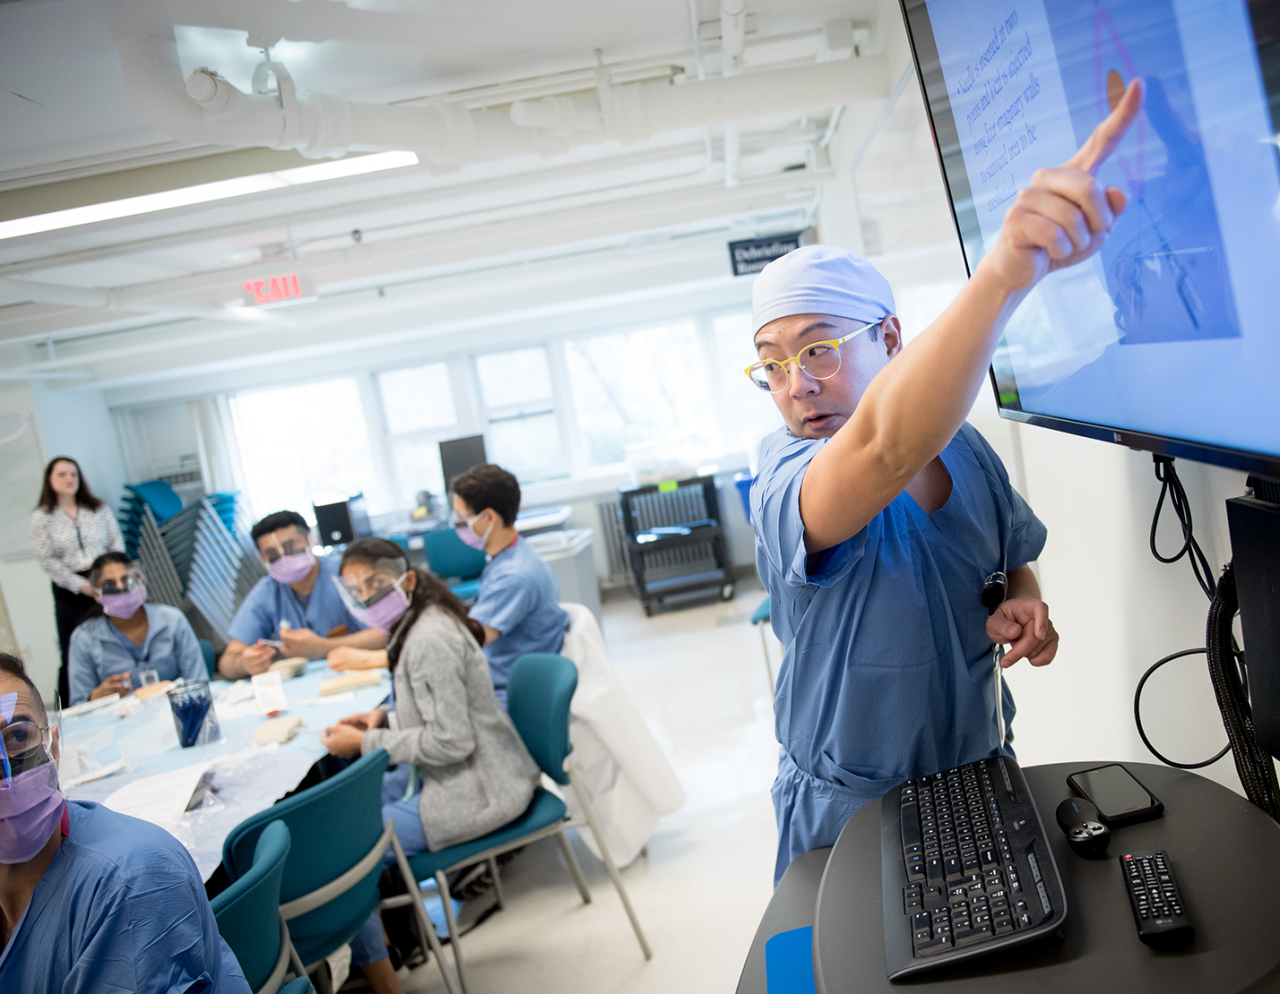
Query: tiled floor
(698,677)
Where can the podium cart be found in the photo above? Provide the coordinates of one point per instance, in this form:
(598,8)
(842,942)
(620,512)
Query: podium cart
(675,541)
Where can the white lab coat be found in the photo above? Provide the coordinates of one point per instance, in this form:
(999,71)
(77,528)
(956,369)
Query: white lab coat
(630,780)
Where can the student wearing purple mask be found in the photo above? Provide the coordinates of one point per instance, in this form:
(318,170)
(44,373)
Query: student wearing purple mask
(519,601)
(462,770)
(295,606)
(125,642)
(91,900)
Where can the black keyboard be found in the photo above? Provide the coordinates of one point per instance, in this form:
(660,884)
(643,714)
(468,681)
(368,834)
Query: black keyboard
(966,867)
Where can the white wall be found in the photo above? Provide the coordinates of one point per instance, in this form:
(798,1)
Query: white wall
(1118,609)
(74,423)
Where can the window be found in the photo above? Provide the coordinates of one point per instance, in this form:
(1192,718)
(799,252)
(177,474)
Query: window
(299,442)
(522,433)
(637,389)
(751,412)
(419,410)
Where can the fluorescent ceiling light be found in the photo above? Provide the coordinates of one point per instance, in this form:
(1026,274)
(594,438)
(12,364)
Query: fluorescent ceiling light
(205,192)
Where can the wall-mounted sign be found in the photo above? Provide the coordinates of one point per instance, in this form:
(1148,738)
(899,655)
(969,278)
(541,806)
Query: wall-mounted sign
(279,288)
(751,255)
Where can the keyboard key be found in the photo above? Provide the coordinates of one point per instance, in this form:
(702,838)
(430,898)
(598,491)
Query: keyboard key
(932,947)
(972,936)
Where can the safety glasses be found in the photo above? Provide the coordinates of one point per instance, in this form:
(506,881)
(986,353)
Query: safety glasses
(820,360)
(121,585)
(278,550)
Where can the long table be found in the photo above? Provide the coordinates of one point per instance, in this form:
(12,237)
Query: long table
(248,778)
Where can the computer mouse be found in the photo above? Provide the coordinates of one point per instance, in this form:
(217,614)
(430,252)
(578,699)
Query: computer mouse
(1085,832)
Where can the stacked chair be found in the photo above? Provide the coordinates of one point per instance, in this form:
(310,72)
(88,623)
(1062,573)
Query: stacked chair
(197,558)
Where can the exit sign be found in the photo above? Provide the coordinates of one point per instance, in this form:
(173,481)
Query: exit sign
(279,288)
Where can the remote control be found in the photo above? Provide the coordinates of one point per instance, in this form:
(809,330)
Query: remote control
(1158,910)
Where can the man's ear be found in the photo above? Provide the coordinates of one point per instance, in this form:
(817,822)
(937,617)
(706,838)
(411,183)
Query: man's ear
(55,749)
(891,335)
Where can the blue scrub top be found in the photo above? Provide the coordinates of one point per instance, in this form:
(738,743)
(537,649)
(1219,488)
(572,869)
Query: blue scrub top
(99,650)
(270,602)
(520,597)
(887,673)
(120,908)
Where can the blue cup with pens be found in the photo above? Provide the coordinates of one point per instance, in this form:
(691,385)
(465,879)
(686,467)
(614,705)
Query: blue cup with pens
(194,715)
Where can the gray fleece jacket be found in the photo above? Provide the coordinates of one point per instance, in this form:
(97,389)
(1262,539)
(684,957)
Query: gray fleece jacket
(476,773)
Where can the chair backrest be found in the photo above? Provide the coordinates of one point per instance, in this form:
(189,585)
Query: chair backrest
(539,689)
(210,660)
(333,826)
(248,912)
(447,555)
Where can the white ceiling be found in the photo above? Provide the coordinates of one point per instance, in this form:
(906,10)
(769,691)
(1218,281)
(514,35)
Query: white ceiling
(72,135)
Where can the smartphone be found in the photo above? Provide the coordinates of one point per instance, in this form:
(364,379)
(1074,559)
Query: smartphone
(1119,796)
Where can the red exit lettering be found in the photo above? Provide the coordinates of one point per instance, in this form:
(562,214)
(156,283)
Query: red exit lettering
(274,289)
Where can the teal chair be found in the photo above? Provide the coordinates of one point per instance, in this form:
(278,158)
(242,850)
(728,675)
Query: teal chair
(248,913)
(539,689)
(330,882)
(760,618)
(455,562)
(210,660)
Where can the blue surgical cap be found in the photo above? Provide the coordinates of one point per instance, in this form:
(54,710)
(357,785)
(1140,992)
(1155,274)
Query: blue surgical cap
(820,279)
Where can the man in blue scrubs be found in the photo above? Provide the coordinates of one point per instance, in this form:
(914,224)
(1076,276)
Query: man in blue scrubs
(297,605)
(91,900)
(519,600)
(880,515)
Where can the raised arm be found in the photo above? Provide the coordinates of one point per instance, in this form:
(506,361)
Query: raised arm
(914,406)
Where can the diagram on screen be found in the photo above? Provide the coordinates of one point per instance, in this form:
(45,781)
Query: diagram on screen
(1164,266)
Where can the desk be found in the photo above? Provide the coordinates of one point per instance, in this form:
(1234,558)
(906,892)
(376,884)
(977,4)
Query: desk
(1223,850)
(249,778)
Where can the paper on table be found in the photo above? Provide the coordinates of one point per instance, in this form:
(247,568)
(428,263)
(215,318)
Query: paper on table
(160,799)
(111,769)
(269,693)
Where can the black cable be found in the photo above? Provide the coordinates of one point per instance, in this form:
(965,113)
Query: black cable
(1253,763)
(1171,486)
(1137,716)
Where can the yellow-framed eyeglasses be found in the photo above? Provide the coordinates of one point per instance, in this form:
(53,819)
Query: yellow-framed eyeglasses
(821,360)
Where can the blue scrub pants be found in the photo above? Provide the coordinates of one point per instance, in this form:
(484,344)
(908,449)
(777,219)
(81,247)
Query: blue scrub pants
(810,812)
(369,944)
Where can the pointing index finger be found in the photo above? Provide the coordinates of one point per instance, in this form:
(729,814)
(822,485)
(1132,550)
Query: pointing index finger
(1106,136)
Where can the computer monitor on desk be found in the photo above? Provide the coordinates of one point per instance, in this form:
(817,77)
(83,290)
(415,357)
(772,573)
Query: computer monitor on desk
(458,455)
(1167,339)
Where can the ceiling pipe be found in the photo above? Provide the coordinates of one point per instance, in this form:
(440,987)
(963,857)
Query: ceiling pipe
(733,40)
(207,109)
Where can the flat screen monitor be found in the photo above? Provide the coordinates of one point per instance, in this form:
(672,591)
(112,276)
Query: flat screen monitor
(458,455)
(1169,338)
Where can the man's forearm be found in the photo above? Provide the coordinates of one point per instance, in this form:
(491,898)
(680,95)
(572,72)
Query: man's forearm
(1023,583)
(231,665)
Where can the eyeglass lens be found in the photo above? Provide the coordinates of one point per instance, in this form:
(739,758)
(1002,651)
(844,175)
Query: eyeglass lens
(22,744)
(821,361)
(289,548)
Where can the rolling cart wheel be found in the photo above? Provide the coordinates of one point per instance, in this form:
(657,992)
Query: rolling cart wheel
(648,610)
(726,592)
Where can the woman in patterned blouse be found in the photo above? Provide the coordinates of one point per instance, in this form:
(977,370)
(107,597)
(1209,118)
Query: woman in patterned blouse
(70,528)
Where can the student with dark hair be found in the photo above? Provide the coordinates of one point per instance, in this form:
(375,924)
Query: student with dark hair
(124,642)
(519,601)
(297,606)
(91,900)
(470,770)
(70,528)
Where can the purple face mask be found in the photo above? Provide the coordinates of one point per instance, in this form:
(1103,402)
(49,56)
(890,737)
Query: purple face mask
(30,808)
(124,605)
(291,569)
(468,534)
(383,614)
